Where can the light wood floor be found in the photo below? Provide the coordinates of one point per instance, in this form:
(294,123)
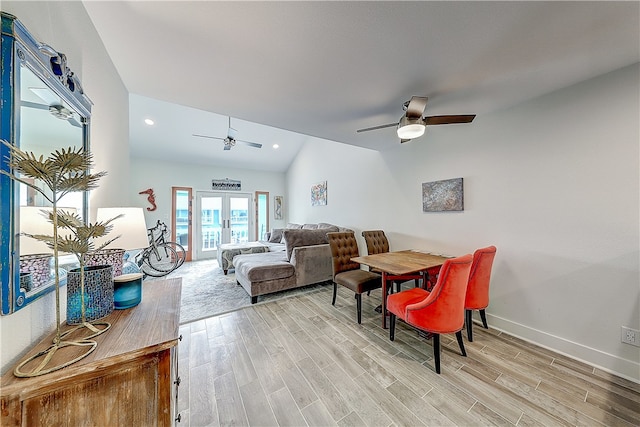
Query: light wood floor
(300,361)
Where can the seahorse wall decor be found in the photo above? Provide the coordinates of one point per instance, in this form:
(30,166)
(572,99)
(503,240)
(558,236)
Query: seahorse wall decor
(151,199)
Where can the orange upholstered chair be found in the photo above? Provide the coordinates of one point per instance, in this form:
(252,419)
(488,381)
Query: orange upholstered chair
(347,273)
(440,311)
(478,287)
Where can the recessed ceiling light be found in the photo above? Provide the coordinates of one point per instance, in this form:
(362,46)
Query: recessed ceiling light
(276,146)
(149,122)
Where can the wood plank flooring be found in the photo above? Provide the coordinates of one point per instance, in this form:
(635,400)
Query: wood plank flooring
(302,362)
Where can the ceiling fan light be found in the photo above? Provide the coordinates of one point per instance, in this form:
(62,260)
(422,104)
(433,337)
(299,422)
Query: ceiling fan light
(410,128)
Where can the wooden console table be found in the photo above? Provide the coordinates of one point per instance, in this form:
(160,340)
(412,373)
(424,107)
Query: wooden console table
(129,379)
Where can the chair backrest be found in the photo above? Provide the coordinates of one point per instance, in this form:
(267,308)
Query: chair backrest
(478,288)
(376,240)
(344,246)
(442,311)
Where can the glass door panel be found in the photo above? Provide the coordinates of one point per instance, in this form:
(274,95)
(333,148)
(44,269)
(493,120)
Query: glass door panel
(221,218)
(239,219)
(181,230)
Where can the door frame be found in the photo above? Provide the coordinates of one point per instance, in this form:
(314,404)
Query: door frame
(226,195)
(257,214)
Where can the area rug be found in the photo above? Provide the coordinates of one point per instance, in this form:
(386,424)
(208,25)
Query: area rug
(207,292)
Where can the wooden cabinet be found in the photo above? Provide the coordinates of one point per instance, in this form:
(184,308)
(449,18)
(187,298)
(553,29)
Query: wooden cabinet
(129,379)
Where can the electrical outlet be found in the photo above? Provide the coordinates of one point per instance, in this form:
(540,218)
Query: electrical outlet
(630,336)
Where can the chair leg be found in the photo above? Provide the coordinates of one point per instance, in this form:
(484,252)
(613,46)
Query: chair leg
(468,314)
(392,326)
(483,316)
(335,290)
(461,343)
(359,306)
(436,352)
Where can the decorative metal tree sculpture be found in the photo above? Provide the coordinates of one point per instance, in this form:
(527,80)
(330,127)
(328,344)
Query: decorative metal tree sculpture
(63,172)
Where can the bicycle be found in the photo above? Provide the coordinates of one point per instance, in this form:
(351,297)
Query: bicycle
(161,257)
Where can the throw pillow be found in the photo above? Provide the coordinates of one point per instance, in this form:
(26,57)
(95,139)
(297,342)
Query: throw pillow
(296,238)
(328,227)
(276,235)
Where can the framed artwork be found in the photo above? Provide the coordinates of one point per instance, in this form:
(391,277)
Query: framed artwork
(277,207)
(319,194)
(443,196)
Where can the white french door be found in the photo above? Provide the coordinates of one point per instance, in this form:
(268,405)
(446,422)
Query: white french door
(221,218)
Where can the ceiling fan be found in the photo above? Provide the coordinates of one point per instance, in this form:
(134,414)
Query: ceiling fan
(53,104)
(412,124)
(230,140)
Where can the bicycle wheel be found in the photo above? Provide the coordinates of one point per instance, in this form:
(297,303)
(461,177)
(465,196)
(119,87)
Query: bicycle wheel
(163,258)
(182,254)
(150,272)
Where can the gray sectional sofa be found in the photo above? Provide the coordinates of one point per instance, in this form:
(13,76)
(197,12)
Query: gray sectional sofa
(302,258)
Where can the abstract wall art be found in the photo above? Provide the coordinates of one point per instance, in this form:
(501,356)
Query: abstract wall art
(443,196)
(319,194)
(277,207)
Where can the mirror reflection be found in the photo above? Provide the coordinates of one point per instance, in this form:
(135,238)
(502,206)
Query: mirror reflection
(47,123)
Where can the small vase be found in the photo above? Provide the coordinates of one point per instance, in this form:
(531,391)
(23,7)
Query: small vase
(98,289)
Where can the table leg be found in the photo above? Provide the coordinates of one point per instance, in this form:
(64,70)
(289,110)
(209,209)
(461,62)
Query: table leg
(384,300)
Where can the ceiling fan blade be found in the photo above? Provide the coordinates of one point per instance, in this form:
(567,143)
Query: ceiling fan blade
(74,122)
(377,127)
(251,144)
(416,106)
(46,95)
(445,120)
(207,136)
(30,104)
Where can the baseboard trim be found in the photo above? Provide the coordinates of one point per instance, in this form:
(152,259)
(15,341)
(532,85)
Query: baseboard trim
(610,363)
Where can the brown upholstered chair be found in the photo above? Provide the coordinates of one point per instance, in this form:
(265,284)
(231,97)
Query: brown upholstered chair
(440,311)
(478,287)
(378,243)
(348,273)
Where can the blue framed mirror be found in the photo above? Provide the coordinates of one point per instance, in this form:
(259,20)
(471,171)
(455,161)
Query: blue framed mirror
(43,109)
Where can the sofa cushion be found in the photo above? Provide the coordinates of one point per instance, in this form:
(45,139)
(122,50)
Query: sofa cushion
(328,227)
(296,238)
(293,226)
(309,226)
(276,235)
(266,266)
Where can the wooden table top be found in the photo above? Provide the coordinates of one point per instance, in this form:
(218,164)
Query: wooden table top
(402,262)
(148,327)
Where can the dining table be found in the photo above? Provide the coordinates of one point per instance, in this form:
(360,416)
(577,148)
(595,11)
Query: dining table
(396,264)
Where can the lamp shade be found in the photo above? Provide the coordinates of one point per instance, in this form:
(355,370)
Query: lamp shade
(131,228)
(34,221)
(410,128)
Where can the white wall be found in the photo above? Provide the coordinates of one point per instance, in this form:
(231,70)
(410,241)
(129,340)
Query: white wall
(553,183)
(161,176)
(67,28)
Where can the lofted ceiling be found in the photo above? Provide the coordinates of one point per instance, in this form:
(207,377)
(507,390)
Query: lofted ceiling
(288,71)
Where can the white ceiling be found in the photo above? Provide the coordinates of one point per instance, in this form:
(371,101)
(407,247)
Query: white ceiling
(326,69)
